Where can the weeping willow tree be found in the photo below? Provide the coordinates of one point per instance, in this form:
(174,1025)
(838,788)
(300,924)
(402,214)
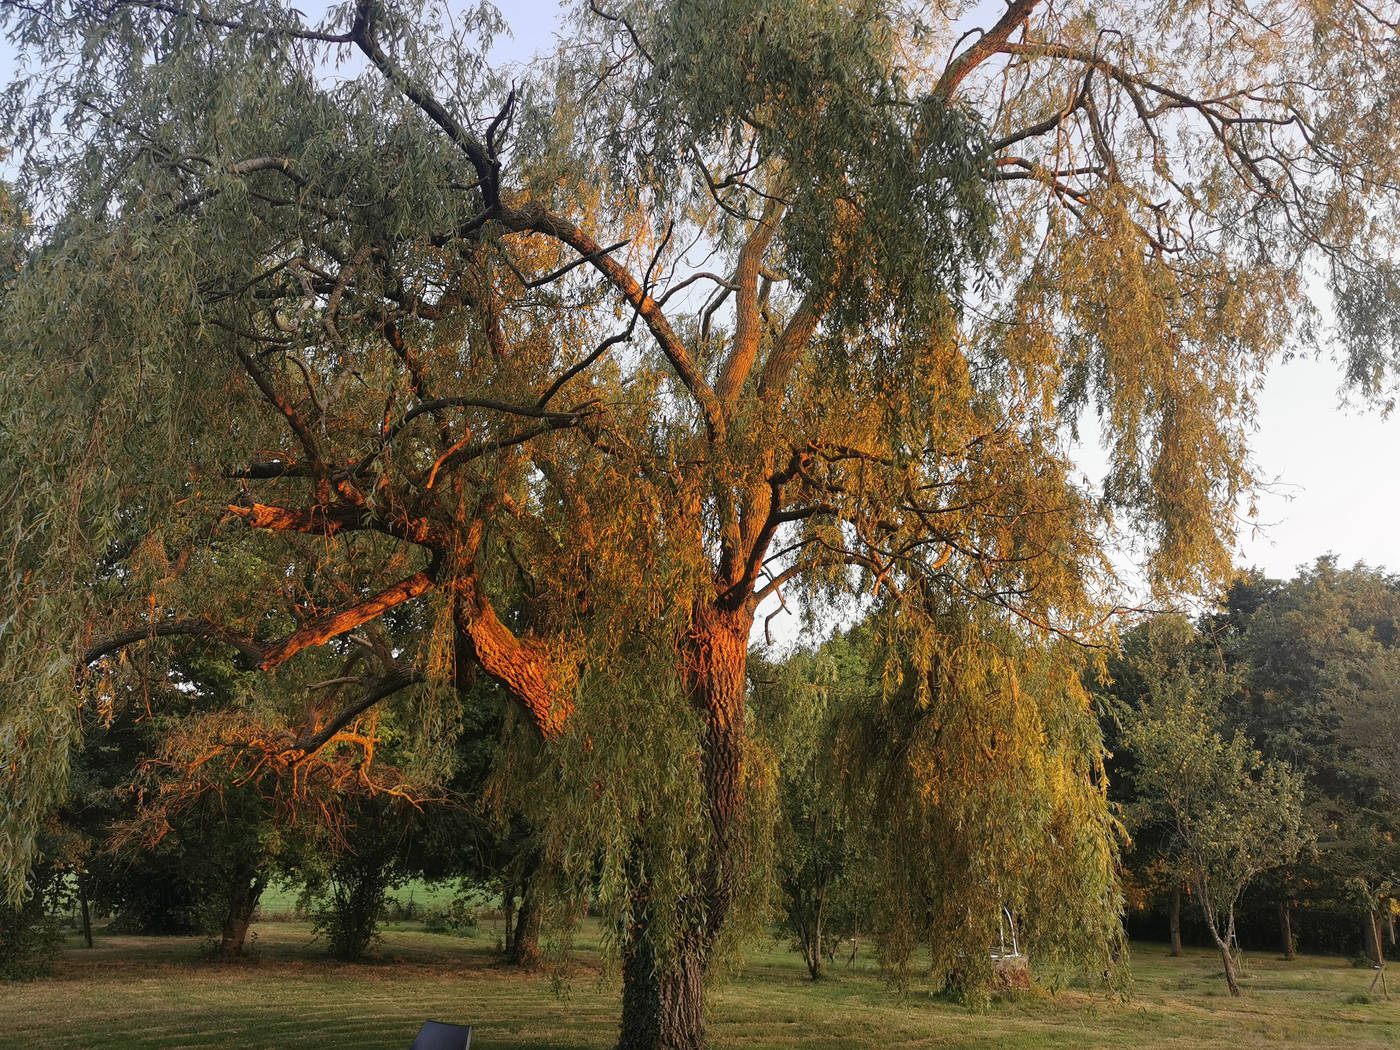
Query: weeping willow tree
(977,767)
(316,327)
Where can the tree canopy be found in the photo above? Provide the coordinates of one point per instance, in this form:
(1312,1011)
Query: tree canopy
(729,300)
(1291,683)
(1316,655)
(1229,814)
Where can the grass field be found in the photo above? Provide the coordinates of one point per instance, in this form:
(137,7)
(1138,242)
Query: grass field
(133,992)
(280,900)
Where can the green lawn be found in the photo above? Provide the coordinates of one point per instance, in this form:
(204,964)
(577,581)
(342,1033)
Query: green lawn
(280,900)
(135,992)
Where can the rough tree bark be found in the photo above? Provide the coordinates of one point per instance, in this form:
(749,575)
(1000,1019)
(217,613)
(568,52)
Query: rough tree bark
(662,998)
(663,993)
(523,941)
(523,905)
(244,893)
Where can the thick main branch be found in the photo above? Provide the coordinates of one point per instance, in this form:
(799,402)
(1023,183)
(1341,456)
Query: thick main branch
(522,666)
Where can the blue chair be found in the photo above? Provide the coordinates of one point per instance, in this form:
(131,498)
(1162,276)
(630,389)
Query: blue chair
(434,1035)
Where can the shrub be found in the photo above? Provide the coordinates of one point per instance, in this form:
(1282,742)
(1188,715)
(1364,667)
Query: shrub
(458,918)
(30,934)
(348,916)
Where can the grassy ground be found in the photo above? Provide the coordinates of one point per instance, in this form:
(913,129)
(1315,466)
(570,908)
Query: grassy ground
(280,901)
(132,992)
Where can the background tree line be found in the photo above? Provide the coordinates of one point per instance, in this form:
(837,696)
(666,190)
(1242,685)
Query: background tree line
(165,830)
(1284,700)
(1251,762)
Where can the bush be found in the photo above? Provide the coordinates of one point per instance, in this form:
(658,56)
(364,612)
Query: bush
(458,918)
(30,935)
(349,914)
(159,891)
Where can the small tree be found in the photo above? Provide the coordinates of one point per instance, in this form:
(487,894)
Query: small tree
(1232,814)
(363,866)
(1318,657)
(29,931)
(798,704)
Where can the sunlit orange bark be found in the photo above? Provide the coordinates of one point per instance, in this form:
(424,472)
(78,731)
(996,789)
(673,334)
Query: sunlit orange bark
(523,666)
(715,657)
(337,623)
(321,520)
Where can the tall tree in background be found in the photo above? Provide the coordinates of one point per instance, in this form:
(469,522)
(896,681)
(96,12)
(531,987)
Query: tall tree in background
(1306,670)
(679,322)
(1318,658)
(1153,868)
(1233,815)
(1230,815)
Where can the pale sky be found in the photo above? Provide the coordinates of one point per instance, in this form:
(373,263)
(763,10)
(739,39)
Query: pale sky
(1336,471)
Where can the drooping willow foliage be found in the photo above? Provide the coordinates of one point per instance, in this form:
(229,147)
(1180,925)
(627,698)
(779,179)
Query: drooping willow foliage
(976,765)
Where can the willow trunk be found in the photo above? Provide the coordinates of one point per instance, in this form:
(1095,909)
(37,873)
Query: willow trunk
(663,981)
(523,947)
(244,892)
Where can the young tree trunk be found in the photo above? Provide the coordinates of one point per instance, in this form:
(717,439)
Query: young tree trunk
(87,917)
(85,905)
(1174,921)
(243,901)
(809,935)
(1285,926)
(814,964)
(508,912)
(1371,936)
(1231,977)
(1227,955)
(663,992)
(1222,941)
(804,904)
